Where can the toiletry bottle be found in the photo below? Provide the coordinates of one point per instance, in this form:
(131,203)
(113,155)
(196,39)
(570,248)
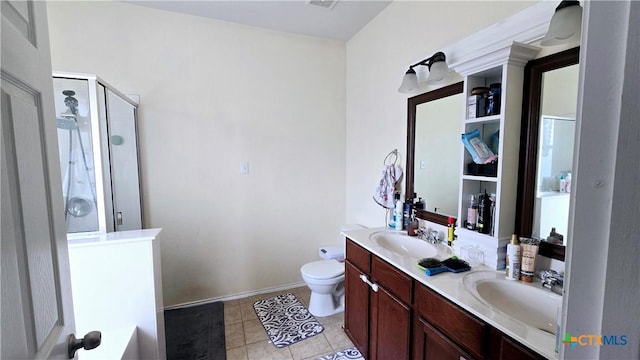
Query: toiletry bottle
(493,214)
(408,211)
(528,252)
(397,215)
(472,213)
(513,259)
(450,229)
(392,212)
(484,213)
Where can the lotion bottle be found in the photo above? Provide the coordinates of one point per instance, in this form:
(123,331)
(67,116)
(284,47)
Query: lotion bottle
(398,217)
(513,259)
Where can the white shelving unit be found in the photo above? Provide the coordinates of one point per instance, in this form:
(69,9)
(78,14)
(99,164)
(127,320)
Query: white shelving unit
(504,66)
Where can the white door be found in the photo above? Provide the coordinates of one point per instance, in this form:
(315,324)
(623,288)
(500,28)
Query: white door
(37,309)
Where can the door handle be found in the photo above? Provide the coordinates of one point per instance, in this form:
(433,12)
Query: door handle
(119,218)
(90,341)
(364,279)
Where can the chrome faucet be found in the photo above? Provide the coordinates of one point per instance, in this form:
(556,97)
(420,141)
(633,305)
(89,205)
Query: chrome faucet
(553,281)
(431,237)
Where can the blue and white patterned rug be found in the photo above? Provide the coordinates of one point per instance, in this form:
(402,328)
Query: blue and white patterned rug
(347,354)
(286,320)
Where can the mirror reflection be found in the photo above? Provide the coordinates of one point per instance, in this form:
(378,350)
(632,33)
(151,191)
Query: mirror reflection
(546,149)
(555,153)
(433,151)
(437,154)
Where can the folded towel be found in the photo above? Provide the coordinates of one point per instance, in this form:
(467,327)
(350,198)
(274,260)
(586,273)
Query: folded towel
(391,175)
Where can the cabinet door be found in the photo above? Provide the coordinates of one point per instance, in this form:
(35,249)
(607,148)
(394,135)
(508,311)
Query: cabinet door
(429,343)
(356,312)
(390,327)
(502,347)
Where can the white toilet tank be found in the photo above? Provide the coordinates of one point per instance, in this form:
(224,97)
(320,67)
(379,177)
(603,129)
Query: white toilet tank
(338,251)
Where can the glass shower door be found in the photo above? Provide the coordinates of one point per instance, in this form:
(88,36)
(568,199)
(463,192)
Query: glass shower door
(76,129)
(123,153)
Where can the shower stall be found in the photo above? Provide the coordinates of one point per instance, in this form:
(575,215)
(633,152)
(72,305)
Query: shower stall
(98,150)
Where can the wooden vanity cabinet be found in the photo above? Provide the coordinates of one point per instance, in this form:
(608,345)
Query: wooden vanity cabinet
(378,321)
(356,297)
(404,319)
(390,328)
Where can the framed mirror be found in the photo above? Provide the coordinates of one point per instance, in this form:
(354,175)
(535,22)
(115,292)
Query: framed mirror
(433,151)
(546,148)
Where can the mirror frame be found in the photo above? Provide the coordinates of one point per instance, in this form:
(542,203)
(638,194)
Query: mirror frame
(412,104)
(529,138)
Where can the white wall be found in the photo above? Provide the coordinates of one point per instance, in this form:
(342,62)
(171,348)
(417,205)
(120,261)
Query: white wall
(214,94)
(377,58)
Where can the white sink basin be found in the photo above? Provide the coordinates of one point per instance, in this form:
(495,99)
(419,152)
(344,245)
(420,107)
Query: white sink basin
(528,303)
(403,245)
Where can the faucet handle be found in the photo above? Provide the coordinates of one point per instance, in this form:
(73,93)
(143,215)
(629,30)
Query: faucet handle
(550,277)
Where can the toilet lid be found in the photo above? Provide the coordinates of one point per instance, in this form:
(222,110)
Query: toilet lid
(323,269)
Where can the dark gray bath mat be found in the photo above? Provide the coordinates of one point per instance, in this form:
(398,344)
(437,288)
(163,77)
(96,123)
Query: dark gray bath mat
(347,354)
(286,320)
(196,332)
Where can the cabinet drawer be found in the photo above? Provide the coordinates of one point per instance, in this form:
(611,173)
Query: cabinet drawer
(467,331)
(398,283)
(358,256)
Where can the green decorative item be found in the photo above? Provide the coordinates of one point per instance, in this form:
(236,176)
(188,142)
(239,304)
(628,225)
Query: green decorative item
(116,140)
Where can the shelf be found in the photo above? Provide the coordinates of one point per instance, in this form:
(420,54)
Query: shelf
(480,178)
(501,133)
(484,119)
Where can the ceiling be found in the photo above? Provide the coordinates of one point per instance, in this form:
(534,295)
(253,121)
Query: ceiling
(340,20)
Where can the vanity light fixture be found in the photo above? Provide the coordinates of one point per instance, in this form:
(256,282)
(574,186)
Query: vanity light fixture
(565,24)
(438,70)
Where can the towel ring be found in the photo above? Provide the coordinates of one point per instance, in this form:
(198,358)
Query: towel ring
(395,155)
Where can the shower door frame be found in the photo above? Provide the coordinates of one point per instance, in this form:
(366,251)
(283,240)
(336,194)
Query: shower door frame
(106,221)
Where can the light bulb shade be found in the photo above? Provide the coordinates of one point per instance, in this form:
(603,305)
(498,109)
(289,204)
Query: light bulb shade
(565,24)
(438,71)
(409,82)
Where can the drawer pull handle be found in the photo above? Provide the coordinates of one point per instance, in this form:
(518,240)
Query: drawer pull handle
(373,286)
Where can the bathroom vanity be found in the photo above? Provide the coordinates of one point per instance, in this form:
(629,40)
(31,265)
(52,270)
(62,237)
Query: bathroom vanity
(393,310)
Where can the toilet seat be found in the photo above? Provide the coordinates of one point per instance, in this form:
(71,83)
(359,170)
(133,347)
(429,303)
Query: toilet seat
(323,269)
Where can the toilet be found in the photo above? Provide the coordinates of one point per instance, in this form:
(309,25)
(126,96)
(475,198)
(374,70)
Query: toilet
(325,278)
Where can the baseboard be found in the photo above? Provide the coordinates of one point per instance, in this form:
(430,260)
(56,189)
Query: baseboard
(237,296)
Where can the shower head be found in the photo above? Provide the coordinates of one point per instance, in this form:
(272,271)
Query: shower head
(66,124)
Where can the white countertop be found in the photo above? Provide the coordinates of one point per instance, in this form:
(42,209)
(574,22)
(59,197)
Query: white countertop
(450,285)
(85,239)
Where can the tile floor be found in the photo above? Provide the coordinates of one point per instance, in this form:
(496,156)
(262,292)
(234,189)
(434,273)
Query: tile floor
(246,339)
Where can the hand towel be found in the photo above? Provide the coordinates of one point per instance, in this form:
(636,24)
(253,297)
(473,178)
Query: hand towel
(391,175)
